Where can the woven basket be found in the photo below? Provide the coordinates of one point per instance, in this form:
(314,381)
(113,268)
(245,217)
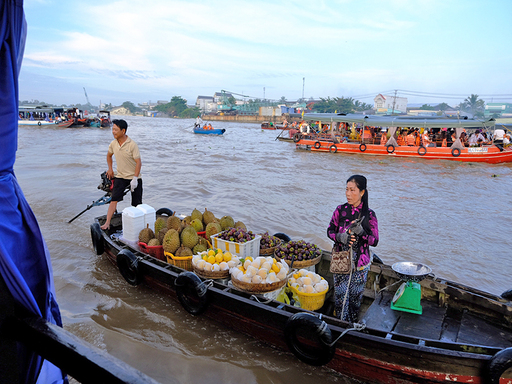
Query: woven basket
(211,274)
(257,288)
(184,262)
(310,301)
(270,251)
(301,264)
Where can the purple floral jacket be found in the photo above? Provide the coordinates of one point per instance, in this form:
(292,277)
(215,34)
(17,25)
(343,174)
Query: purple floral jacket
(341,219)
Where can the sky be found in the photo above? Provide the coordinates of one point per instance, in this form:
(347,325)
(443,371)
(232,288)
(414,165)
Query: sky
(429,51)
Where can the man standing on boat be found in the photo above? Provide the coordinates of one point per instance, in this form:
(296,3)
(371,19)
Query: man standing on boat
(127,174)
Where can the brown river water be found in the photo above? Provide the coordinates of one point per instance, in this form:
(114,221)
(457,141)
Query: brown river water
(454,217)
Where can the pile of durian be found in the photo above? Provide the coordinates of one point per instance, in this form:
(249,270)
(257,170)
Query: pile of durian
(179,237)
(308,282)
(215,260)
(261,270)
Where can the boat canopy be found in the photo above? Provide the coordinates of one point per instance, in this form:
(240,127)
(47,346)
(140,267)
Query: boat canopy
(400,121)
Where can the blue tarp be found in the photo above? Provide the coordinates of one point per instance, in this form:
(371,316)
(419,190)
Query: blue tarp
(24,258)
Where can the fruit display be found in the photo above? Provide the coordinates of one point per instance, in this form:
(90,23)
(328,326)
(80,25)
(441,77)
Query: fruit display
(260,270)
(268,241)
(215,260)
(237,235)
(298,250)
(305,281)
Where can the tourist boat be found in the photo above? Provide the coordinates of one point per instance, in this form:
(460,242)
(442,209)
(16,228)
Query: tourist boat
(213,131)
(272,126)
(463,335)
(456,151)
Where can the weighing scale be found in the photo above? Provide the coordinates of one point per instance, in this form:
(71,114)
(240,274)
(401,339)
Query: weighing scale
(407,297)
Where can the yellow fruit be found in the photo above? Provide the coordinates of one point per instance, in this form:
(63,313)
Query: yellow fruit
(205,257)
(274,261)
(249,258)
(241,267)
(219,250)
(219,257)
(275,268)
(227,256)
(296,276)
(211,259)
(211,252)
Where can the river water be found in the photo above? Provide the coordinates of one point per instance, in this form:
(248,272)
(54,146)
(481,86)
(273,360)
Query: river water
(454,217)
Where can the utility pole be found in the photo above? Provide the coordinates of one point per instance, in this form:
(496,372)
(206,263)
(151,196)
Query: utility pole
(263,93)
(394,101)
(303,81)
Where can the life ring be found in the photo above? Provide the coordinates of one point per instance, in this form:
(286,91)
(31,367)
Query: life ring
(333,148)
(498,364)
(39,123)
(128,265)
(191,292)
(390,150)
(97,239)
(164,211)
(317,145)
(307,324)
(362,147)
(422,150)
(455,152)
(296,137)
(282,236)
(506,295)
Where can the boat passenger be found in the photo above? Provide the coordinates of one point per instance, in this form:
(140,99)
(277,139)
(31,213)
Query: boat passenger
(367,135)
(444,141)
(506,139)
(400,140)
(498,136)
(128,169)
(199,121)
(383,137)
(411,139)
(348,288)
(426,139)
(476,139)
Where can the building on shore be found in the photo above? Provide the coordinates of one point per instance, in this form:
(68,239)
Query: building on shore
(385,104)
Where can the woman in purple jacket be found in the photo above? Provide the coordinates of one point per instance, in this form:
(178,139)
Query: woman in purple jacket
(348,288)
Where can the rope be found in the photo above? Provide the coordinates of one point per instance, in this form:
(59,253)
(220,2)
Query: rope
(355,327)
(256,298)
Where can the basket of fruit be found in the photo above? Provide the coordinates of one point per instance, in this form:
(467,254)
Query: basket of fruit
(214,264)
(310,287)
(259,275)
(268,244)
(301,253)
(239,241)
(184,262)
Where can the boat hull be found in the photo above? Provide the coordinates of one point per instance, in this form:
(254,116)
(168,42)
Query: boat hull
(201,131)
(487,154)
(372,356)
(36,123)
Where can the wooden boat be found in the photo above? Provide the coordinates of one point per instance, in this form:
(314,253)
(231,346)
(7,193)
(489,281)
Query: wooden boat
(463,335)
(272,126)
(214,131)
(456,151)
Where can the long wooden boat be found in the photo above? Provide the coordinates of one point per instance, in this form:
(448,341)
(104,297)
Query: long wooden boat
(486,153)
(272,126)
(215,131)
(463,335)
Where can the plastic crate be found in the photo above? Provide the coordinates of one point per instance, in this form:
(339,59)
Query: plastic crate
(155,251)
(310,301)
(184,262)
(249,248)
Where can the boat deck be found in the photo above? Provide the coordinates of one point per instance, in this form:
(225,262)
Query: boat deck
(436,323)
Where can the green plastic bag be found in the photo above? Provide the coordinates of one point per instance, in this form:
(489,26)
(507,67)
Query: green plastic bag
(289,297)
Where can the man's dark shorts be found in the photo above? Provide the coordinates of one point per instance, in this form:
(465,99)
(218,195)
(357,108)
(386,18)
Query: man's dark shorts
(120,185)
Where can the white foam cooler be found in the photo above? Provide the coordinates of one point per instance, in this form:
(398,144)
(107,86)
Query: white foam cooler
(133,223)
(149,215)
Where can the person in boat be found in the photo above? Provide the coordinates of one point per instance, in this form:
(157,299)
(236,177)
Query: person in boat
(209,127)
(348,288)
(383,136)
(401,138)
(476,139)
(199,121)
(425,139)
(410,139)
(128,169)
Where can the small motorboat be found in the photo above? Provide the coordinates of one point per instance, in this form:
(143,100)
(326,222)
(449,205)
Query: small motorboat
(208,130)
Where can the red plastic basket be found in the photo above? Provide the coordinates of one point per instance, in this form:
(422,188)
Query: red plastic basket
(155,251)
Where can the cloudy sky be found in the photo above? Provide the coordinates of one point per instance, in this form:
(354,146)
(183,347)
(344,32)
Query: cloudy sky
(132,50)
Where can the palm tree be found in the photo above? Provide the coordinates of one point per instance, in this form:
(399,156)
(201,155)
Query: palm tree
(474,105)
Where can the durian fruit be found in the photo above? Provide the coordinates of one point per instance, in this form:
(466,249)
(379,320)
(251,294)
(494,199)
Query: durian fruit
(227,222)
(183,251)
(159,224)
(171,241)
(197,224)
(189,237)
(153,243)
(187,220)
(239,224)
(208,217)
(196,214)
(198,248)
(161,234)
(212,229)
(146,234)
(174,222)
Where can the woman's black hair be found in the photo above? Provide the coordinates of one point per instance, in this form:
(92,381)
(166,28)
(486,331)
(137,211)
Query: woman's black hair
(361,182)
